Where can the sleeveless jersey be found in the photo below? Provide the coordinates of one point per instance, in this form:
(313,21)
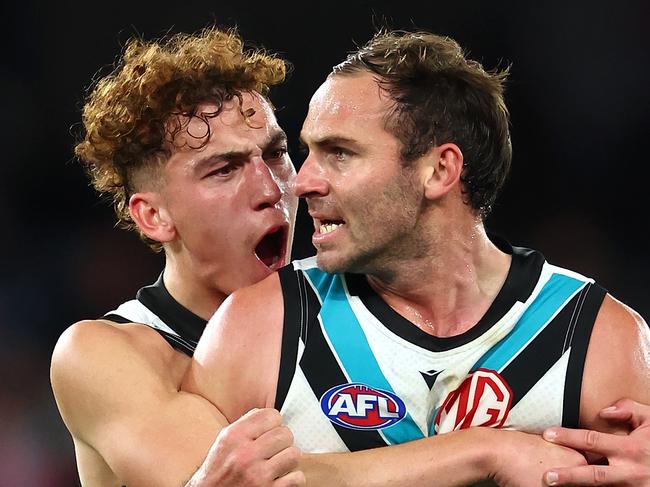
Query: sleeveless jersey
(156,308)
(354,374)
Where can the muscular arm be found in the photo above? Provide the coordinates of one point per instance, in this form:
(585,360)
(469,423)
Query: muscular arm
(459,458)
(617,364)
(116,392)
(236,363)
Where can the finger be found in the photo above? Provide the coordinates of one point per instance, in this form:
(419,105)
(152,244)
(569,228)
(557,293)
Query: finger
(292,479)
(590,475)
(628,410)
(273,441)
(256,422)
(586,440)
(614,413)
(284,462)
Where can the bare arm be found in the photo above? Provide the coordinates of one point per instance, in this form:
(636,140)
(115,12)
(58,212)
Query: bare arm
(459,458)
(117,390)
(617,366)
(115,400)
(236,363)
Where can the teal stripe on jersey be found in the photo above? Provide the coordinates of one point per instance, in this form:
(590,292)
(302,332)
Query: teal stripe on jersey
(432,424)
(321,281)
(557,291)
(349,342)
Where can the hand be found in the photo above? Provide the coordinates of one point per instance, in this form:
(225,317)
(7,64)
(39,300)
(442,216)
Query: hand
(522,458)
(254,451)
(628,455)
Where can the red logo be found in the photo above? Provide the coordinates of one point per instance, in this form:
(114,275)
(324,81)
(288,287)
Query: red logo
(483,399)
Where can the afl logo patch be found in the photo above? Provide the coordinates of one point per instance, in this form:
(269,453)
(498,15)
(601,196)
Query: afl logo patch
(483,399)
(360,407)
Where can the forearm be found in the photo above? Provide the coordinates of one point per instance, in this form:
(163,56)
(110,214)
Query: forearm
(454,459)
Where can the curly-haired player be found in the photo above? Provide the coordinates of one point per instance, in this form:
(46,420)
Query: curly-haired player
(182,137)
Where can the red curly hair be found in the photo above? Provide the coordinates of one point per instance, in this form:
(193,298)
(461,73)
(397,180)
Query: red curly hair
(126,113)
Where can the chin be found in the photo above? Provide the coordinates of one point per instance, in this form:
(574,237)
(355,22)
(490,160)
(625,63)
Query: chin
(360,262)
(331,264)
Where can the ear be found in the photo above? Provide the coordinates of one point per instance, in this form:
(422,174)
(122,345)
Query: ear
(442,168)
(151,217)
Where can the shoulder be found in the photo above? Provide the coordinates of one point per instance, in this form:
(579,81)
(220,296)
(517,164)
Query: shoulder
(248,316)
(95,364)
(90,343)
(615,316)
(241,345)
(244,308)
(267,288)
(117,388)
(618,331)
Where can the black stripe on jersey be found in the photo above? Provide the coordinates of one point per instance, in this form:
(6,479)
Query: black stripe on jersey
(180,319)
(523,274)
(318,362)
(323,372)
(527,368)
(295,320)
(115,318)
(578,340)
(176,342)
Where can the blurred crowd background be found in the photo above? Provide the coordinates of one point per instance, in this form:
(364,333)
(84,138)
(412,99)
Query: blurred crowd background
(579,99)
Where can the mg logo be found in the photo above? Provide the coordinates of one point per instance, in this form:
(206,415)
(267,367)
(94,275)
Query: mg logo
(483,399)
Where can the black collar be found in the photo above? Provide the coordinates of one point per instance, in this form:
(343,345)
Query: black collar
(524,273)
(180,319)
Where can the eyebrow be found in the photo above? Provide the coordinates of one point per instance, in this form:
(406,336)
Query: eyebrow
(330,141)
(276,138)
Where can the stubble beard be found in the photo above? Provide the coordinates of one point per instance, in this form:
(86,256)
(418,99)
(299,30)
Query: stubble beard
(392,238)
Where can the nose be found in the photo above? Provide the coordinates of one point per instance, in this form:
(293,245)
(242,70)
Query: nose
(267,192)
(310,180)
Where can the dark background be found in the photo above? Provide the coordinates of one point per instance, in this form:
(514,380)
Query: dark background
(578,95)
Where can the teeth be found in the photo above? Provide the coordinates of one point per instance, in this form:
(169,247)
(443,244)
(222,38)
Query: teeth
(328,227)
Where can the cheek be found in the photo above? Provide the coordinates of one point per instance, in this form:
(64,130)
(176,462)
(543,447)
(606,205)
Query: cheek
(209,219)
(387,207)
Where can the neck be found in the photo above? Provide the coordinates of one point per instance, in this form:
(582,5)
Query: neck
(191,288)
(448,290)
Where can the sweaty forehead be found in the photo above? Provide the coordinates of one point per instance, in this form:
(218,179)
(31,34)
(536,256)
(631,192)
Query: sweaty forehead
(351,103)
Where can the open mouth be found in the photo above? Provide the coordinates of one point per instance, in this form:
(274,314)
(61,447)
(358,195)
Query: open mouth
(270,250)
